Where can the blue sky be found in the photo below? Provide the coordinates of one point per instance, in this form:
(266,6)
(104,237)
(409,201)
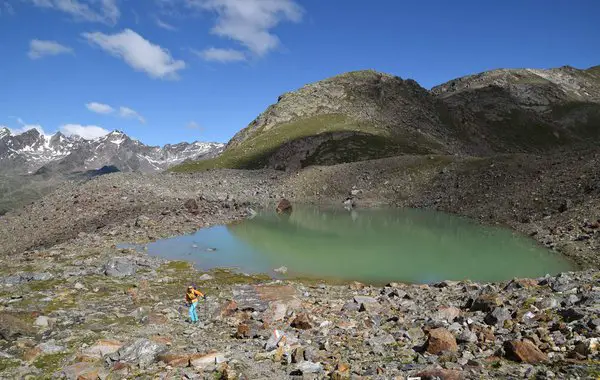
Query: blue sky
(166,71)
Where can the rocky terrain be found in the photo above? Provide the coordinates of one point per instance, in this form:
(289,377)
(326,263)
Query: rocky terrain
(74,305)
(33,164)
(115,312)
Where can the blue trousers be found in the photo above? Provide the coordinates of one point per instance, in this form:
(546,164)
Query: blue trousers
(193,312)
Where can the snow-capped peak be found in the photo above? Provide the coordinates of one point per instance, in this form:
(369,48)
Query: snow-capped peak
(4,132)
(33,150)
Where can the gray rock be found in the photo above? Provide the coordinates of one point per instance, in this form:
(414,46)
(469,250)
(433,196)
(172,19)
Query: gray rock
(206,277)
(21,278)
(497,316)
(142,352)
(42,321)
(307,367)
(50,347)
(119,267)
(467,336)
(274,339)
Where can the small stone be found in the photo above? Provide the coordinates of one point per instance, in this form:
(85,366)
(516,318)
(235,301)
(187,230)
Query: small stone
(497,316)
(446,314)
(79,286)
(42,321)
(524,351)
(486,303)
(306,367)
(119,267)
(588,347)
(298,355)
(276,337)
(206,277)
(441,340)
(302,322)
(439,373)
(282,270)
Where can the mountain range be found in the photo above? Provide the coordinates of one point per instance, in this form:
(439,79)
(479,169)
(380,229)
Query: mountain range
(32,152)
(33,164)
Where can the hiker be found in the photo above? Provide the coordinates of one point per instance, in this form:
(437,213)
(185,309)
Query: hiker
(191,300)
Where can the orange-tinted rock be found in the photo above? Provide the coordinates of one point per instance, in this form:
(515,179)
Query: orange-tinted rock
(82,371)
(103,347)
(175,360)
(443,374)
(524,351)
(441,340)
(201,361)
(31,353)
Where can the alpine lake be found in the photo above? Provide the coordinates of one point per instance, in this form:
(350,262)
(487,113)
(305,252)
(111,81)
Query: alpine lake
(375,246)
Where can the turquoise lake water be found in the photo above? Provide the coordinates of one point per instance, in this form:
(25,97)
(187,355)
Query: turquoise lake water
(371,245)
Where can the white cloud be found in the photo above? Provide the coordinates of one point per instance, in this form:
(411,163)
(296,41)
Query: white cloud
(40,48)
(104,11)
(160,23)
(193,125)
(128,113)
(250,21)
(88,132)
(99,108)
(221,55)
(138,53)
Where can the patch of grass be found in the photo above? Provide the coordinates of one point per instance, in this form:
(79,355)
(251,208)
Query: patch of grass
(50,363)
(60,303)
(6,363)
(253,152)
(177,266)
(38,286)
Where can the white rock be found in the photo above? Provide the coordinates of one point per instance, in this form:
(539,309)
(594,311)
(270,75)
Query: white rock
(42,321)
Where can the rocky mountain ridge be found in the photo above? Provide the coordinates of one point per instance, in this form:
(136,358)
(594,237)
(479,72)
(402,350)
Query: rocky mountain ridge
(32,151)
(366,114)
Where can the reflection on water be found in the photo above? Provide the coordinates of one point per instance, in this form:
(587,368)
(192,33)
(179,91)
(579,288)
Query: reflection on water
(372,245)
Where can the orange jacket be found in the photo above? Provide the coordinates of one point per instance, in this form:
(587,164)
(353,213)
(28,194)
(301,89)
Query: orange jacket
(192,295)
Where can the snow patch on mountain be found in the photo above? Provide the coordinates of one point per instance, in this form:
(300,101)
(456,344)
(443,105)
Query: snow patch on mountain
(29,151)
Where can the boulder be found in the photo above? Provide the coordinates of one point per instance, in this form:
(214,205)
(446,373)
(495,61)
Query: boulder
(284,207)
(103,347)
(439,374)
(524,351)
(119,267)
(142,352)
(497,316)
(441,340)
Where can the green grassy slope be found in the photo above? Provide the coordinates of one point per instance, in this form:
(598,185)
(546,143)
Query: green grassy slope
(368,142)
